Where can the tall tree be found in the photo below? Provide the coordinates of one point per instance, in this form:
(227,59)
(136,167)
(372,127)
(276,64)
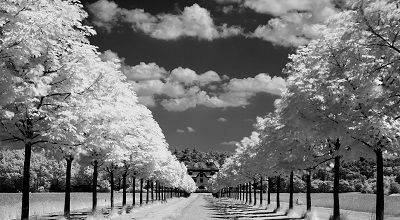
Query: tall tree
(42,43)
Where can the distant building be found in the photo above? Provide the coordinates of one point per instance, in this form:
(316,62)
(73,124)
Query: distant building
(201,172)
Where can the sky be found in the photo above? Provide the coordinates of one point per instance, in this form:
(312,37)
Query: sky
(205,68)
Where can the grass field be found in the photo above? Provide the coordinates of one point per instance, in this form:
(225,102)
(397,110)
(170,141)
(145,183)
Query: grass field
(45,203)
(350,201)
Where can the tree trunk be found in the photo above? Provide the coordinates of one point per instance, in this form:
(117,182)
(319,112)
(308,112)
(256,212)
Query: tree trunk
(255,192)
(67,199)
(336,208)
(269,190)
(147,191)
(141,191)
(291,191)
(278,186)
(152,191)
(247,194)
(156,190)
(240,192)
(25,186)
(124,189)
(308,196)
(243,191)
(163,193)
(261,191)
(250,193)
(133,190)
(380,205)
(112,188)
(94,190)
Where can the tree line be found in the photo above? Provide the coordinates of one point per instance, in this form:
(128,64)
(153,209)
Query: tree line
(194,156)
(57,94)
(341,103)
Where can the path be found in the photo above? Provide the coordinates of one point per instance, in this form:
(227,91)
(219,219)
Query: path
(205,207)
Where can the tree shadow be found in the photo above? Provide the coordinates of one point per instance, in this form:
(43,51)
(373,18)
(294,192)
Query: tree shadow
(228,209)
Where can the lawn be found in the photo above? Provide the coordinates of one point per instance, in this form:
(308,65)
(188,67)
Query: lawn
(45,203)
(350,201)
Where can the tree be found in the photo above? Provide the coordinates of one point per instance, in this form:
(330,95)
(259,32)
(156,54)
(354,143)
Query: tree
(349,80)
(41,47)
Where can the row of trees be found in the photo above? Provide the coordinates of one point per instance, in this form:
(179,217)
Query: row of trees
(56,93)
(341,103)
(194,156)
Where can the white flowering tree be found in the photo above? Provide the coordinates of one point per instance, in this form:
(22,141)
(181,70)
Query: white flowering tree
(349,81)
(42,43)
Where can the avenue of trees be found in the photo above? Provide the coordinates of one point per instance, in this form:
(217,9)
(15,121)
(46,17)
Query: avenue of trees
(341,103)
(57,94)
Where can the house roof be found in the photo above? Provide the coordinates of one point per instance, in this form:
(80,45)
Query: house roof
(202,166)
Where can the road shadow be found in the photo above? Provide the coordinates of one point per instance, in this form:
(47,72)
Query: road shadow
(222,208)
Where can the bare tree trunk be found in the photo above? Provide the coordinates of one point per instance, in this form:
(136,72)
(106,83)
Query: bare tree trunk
(380,204)
(112,188)
(269,190)
(336,207)
(261,190)
(240,192)
(124,189)
(291,191)
(278,186)
(133,190)
(94,190)
(308,180)
(25,186)
(67,199)
(141,191)
(152,191)
(247,194)
(147,191)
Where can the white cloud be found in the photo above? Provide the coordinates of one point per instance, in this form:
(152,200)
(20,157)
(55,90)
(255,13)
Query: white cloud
(228,1)
(190,129)
(109,55)
(105,13)
(184,75)
(189,76)
(232,143)
(179,104)
(260,83)
(193,21)
(143,71)
(183,88)
(222,120)
(180,131)
(147,101)
(296,21)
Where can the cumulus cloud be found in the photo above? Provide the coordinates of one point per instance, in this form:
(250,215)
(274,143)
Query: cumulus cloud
(228,1)
(190,129)
(109,55)
(222,120)
(296,21)
(105,13)
(182,88)
(180,131)
(193,21)
(188,76)
(231,143)
(143,71)
(260,83)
